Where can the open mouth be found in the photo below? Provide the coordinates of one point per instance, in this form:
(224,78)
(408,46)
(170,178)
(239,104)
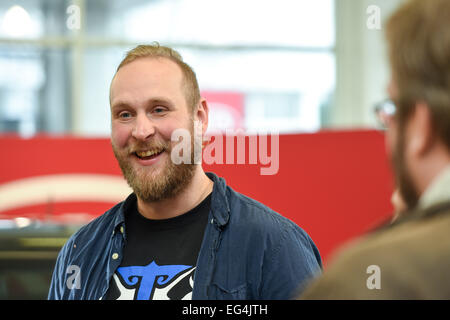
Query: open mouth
(148,154)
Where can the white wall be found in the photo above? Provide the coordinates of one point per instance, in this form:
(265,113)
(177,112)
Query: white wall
(362,68)
(362,72)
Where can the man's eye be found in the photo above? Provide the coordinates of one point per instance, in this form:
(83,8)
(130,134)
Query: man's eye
(159,110)
(124,115)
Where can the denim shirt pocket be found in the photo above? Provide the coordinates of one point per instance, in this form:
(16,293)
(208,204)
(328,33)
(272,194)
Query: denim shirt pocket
(219,292)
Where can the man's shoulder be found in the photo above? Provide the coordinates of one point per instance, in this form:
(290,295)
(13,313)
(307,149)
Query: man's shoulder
(252,222)
(399,242)
(282,237)
(254,215)
(240,205)
(422,234)
(405,255)
(254,210)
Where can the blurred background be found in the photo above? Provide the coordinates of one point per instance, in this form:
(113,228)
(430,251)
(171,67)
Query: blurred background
(317,61)
(292,66)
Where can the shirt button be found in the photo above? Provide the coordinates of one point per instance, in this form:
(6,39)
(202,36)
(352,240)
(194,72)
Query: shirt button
(115,256)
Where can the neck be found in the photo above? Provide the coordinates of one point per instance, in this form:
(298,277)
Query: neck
(195,192)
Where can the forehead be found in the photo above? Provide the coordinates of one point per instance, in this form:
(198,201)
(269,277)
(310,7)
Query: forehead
(145,78)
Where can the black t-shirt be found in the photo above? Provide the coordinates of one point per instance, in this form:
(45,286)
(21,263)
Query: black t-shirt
(159,256)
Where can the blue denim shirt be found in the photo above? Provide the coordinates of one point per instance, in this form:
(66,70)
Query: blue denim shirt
(248,252)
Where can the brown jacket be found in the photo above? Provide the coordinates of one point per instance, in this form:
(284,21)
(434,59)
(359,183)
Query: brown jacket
(409,259)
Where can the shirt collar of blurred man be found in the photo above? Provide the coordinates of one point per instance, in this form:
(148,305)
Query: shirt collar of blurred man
(438,191)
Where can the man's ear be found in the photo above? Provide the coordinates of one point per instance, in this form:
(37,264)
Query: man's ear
(420,129)
(202,114)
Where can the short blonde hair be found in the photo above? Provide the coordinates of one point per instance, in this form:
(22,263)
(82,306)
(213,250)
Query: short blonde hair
(419,51)
(155,50)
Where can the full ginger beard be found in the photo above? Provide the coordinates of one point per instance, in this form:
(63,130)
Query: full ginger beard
(150,184)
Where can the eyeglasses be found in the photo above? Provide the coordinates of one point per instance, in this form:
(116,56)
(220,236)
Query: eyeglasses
(384,112)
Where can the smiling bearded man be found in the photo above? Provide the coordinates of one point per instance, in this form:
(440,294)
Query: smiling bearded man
(182,233)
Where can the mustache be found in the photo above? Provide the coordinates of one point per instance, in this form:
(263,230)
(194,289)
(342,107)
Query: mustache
(159,145)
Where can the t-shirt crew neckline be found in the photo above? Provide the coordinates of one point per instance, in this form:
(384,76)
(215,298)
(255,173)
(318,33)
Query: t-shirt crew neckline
(170,223)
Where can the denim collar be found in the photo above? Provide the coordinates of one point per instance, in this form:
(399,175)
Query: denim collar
(119,219)
(220,207)
(437,191)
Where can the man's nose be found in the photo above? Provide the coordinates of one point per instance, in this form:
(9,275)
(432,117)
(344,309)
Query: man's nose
(144,128)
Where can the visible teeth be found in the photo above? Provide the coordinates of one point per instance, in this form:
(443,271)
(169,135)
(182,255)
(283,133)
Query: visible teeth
(148,153)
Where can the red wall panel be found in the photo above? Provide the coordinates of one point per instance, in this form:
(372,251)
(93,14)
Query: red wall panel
(335,185)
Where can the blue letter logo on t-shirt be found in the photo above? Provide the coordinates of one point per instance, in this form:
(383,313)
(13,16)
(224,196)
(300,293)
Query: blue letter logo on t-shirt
(148,275)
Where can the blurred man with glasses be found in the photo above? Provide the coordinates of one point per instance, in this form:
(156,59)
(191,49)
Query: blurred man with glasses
(409,259)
